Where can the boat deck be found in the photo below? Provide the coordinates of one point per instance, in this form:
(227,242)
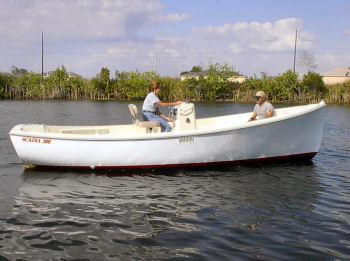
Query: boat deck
(130,130)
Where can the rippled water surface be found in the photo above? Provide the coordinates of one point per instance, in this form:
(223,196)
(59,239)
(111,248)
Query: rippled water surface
(270,212)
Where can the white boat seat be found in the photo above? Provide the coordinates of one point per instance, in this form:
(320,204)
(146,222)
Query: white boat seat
(137,122)
(147,124)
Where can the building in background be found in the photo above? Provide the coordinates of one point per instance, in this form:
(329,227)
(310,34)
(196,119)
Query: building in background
(70,74)
(338,75)
(204,74)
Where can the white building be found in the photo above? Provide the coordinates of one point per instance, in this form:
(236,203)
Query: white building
(197,75)
(338,75)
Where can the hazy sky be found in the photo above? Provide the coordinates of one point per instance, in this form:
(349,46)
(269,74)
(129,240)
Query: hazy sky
(172,36)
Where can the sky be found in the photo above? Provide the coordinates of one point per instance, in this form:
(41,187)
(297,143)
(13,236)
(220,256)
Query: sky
(171,36)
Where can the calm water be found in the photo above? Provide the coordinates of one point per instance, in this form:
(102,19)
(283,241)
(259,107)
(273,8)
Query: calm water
(271,213)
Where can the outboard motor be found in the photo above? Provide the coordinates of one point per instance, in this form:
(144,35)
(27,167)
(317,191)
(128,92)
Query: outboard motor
(185,117)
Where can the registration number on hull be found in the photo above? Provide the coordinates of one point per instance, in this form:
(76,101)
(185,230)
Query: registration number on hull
(185,140)
(36,140)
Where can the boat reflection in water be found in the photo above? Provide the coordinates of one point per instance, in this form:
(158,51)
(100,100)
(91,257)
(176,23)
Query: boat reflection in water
(208,214)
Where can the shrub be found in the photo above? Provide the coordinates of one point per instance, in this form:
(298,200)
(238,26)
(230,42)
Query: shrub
(5,84)
(313,82)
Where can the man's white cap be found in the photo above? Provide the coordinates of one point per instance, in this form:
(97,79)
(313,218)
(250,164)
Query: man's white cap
(261,94)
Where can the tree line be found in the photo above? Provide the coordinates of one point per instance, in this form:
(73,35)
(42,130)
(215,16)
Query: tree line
(213,84)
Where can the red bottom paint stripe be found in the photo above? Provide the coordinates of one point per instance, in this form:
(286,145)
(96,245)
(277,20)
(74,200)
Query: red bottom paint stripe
(293,157)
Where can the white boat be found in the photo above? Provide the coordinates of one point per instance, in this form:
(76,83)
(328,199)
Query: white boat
(292,133)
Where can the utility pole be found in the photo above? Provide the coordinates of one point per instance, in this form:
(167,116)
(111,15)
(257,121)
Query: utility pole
(69,70)
(42,54)
(156,62)
(295,49)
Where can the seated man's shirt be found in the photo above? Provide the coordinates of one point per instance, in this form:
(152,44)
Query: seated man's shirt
(262,110)
(150,102)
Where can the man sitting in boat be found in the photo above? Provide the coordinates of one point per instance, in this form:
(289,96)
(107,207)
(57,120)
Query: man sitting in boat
(151,105)
(262,109)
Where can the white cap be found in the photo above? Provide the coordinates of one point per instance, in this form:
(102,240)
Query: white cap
(261,94)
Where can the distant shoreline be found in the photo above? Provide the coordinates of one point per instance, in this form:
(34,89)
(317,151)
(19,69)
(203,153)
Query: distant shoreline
(198,101)
(215,85)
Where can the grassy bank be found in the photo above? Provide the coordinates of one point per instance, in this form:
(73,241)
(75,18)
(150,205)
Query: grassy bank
(215,86)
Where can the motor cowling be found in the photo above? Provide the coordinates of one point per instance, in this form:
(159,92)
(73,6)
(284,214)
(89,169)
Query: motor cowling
(185,117)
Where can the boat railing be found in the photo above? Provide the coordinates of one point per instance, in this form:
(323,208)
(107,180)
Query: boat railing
(86,131)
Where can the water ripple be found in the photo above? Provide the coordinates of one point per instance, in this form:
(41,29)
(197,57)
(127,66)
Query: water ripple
(269,212)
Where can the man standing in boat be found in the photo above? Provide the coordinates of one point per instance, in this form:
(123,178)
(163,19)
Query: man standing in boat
(151,105)
(263,109)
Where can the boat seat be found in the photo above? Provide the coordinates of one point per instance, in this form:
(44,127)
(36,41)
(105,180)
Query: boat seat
(148,124)
(151,126)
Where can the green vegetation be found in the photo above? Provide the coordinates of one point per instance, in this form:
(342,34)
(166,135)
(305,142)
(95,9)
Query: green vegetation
(212,84)
(288,88)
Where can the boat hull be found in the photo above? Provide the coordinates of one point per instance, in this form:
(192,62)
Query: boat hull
(294,138)
(303,158)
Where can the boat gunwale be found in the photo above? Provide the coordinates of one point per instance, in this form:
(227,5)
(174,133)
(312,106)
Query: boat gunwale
(169,135)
